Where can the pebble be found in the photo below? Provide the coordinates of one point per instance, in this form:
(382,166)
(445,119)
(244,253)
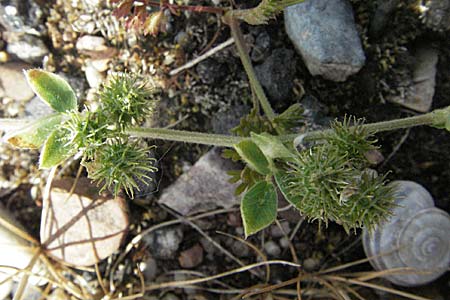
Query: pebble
(91,43)
(310,264)
(164,243)
(13,83)
(277,73)
(276,232)
(204,187)
(28,48)
(239,249)
(15,251)
(93,76)
(272,249)
(191,257)
(261,47)
(150,269)
(106,222)
(419,93)
(325,35)
(36,108)
(22,16)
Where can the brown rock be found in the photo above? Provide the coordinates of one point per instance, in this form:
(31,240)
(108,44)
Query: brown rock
(13,83)
(191,257)
(84,227)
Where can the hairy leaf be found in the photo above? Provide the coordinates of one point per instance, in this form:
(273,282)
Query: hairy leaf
(52,89)
(253,156)
(259,207)
(56,149)
(33,135)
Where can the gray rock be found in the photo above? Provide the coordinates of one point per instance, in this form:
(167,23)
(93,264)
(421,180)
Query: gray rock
(272,248)
(23,16)
(276,74)
(228,117)
(36,108)
(28,48)
(261,48)
(204,187)
(325,35)
(164,243)
(418,92)
(151,269)
(13,83)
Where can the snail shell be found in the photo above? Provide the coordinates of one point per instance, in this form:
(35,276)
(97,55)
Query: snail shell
(416,236)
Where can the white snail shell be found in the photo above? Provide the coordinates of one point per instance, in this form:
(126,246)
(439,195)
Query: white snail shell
(416,236)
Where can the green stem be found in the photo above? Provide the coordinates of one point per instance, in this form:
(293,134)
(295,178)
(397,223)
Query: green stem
(243,54)
(185,136)
(434,118)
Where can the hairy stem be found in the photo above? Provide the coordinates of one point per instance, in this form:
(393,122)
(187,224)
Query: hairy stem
(185,136)
(434,118)
(243,54)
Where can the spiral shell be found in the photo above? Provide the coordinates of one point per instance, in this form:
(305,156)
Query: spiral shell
(416,236)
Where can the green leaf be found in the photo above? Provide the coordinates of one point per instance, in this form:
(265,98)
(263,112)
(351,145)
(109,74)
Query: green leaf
(253,156)
(271,146)
(281,180)
(290,118)
(52,89)
(56,149)
(33,135)
(259,207)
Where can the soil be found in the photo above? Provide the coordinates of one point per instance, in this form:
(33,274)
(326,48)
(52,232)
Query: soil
(194,99)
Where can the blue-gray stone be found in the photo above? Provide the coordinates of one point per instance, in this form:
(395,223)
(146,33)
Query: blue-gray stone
(325,35)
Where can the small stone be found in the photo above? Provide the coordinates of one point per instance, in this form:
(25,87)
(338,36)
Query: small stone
(310,264)
(277,73)
(91,43)
(101,65)
(272,249)
(284,242)
(36,108)
(13,83)
(204,187)
(150,270)
(418,95)
(22,16)
(164,243)
(261,47)
(170,296)
(276,232)
(84,227)
(191,257)
(93,76)
(325,35)
(28,48)
(240,249)
(234,219)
